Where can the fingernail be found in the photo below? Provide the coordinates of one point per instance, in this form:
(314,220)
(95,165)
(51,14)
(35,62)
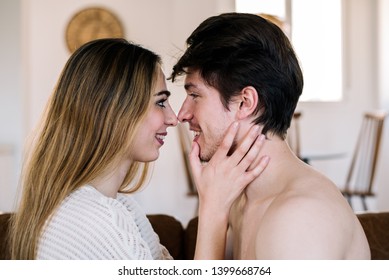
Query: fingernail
(255,130)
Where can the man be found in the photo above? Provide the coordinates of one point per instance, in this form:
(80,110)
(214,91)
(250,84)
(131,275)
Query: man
(241,67)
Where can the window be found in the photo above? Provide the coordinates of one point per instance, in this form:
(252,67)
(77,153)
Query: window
(314,28)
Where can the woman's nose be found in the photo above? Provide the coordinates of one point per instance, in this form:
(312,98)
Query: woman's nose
(171,118)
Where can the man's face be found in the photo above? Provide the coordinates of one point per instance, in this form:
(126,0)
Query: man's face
(205,113)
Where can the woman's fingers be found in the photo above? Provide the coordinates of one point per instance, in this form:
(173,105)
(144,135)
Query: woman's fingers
(255,171)
(226,144)
(245,154)
(243,166)
(249,147)
(251,158)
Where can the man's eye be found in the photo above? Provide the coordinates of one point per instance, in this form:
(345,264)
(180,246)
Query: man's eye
(193,95)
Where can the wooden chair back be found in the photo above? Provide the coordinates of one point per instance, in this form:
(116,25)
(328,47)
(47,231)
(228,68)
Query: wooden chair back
(360,177)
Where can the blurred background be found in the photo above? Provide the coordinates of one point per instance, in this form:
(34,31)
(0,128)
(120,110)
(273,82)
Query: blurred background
(343,46)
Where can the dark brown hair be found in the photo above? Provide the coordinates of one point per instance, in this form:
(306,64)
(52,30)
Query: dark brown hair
(235,50)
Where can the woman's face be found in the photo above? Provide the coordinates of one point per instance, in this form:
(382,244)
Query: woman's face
(153,129)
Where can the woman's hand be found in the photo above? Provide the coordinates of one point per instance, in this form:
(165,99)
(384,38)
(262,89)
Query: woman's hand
(219,183)
(224,177)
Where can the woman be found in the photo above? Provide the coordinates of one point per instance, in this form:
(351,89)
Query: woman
(105,122)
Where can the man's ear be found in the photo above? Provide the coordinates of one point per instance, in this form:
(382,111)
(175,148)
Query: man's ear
(248,102)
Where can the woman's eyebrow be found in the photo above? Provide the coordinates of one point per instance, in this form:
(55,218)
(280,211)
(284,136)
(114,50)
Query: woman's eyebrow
(163,92)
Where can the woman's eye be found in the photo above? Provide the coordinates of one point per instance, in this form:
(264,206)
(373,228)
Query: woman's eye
(161,103)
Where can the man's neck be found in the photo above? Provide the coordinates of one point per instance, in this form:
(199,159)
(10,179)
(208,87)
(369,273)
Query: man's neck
(278,172)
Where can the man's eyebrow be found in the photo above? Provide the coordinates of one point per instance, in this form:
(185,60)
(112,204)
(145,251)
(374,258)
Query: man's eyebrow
(163,92)
(189,86)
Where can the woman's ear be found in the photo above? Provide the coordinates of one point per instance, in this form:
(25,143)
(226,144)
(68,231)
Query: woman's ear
(248,102)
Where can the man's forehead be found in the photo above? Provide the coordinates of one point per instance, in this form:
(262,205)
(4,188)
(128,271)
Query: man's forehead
(192,74)
(194,80)
(190,85)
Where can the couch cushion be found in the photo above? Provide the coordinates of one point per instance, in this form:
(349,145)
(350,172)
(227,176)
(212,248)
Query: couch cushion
(376,227)
(170,232)
(190,238)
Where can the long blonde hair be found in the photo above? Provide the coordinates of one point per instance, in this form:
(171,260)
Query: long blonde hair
(102,95)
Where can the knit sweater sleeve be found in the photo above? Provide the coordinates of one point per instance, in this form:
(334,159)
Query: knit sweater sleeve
(90,226)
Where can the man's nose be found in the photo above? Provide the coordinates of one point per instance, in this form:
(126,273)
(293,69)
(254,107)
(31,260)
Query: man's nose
(185,114)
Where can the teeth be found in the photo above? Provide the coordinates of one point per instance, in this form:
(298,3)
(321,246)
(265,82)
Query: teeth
(162,137)
(196,133)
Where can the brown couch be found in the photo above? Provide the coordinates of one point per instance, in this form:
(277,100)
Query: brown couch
(181,241)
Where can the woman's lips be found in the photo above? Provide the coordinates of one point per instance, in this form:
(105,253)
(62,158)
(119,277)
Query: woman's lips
(160,138)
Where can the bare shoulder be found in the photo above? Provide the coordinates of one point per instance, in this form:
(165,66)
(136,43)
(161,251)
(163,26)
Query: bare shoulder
(310,220)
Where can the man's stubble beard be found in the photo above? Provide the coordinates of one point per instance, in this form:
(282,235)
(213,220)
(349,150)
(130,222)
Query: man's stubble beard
(209,154)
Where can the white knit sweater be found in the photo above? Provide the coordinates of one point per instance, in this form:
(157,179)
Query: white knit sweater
(89,225)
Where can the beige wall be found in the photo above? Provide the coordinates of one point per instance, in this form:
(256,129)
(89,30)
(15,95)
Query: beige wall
(11,129)
(163,26)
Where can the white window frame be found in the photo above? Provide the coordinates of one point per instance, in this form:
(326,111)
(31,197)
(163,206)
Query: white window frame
(315,30)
